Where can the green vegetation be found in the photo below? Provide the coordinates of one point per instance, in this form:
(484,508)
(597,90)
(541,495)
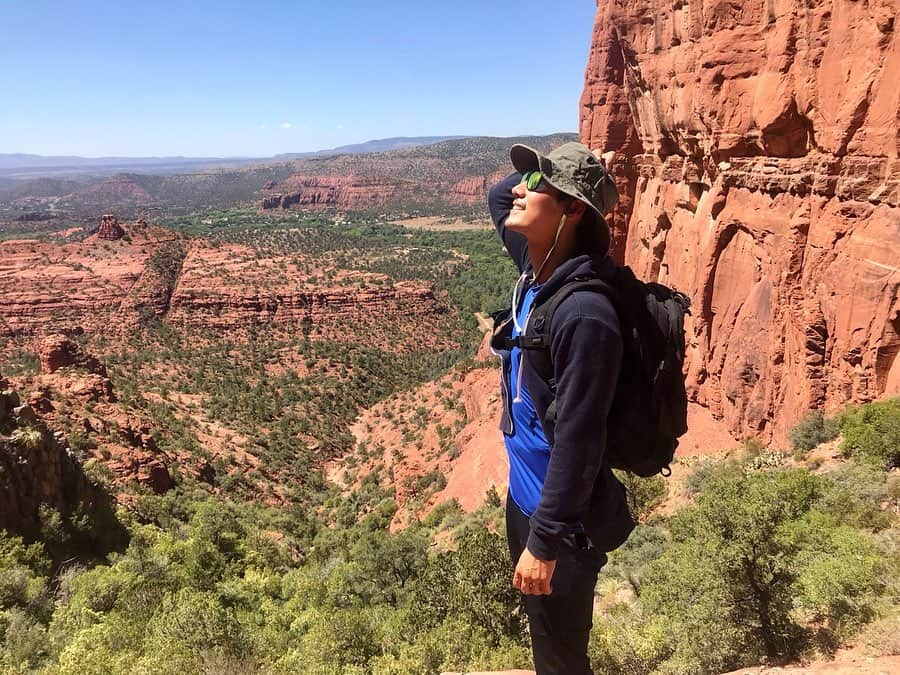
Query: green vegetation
(872,433)
(229,587)
(811,431)
(19,361)
(770,564)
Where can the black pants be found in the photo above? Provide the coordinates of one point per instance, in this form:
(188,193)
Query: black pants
(560,623)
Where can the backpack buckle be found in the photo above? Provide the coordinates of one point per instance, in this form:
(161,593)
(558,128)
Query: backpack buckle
(531,342)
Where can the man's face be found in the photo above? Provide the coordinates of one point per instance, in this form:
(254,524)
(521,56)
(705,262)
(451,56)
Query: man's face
(536,213)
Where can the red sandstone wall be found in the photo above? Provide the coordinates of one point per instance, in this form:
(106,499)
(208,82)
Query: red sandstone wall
(760,171)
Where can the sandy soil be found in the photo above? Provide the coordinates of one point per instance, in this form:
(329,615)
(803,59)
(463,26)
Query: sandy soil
(442,224)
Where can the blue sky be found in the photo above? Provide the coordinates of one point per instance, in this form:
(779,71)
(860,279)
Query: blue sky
(259,78)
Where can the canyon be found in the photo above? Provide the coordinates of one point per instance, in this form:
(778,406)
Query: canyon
(758,162)
(121,275)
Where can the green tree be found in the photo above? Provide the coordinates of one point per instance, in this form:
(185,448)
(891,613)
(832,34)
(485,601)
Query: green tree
(727,581)
(473,583)
(872,433)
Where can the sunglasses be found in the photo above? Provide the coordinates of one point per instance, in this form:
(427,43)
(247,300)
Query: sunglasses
(532,179)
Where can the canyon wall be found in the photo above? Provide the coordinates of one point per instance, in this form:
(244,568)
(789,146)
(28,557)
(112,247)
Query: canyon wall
(758,158)
(319,192)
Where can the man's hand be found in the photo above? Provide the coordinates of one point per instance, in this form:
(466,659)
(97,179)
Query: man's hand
(533,576)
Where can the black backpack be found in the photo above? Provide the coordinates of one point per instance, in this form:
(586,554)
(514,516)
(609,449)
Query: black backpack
(649,409)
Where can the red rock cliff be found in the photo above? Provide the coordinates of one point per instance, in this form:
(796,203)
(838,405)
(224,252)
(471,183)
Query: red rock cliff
(351,192)
(759,167)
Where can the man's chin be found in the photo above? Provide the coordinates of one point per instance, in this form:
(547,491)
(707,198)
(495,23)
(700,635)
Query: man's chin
(514,223)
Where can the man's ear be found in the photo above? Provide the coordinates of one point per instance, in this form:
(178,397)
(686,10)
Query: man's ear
(576,208)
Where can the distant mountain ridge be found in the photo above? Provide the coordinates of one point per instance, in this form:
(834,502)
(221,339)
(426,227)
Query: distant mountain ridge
(23,166)
(379,145)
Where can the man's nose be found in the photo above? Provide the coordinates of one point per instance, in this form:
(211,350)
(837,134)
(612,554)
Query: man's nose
(519,189)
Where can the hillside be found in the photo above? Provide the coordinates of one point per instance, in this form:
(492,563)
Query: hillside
(434,179)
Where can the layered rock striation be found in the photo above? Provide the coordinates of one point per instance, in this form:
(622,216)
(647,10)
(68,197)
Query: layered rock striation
(109,228)
(320,192)
(759,166)
(110,287)
(225,309)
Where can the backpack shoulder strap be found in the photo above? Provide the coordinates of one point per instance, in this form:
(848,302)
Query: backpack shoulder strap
(543,314)
(539,330)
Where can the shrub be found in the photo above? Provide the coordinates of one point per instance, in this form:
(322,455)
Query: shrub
(838,578)
(446,588)
(630,561)
(643,494)
(856,493)
(882,637)
(872,433)
(23,643)
(706,467)
(726,582)
(811,431)
(626,643)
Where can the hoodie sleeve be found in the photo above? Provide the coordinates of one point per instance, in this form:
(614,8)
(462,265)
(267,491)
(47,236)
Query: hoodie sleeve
(586,351)
(500,202)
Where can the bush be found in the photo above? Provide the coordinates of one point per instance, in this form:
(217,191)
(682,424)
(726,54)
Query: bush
(629,562)
(629,644)
(856,494)
(706,467)
(882,637)
(811,431)
(839,577)
(727,581)
(643,494)
(23,643)
(872,433)
(472,584)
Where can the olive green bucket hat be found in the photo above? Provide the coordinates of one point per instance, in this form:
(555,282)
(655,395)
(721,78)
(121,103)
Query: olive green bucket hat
(573,169)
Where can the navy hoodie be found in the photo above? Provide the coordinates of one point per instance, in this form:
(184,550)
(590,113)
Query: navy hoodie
(580,491)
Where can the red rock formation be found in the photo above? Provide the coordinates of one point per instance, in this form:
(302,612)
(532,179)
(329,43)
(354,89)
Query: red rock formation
(319,192)
(470,189)
(235,308)
(52,288)
(759,166)
(55,352)
(109,228)
(58,351)
(140,460)
(49,287)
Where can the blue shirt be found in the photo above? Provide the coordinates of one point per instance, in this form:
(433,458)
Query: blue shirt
(527,447)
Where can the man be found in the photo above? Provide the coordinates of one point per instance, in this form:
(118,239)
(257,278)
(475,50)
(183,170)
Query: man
(565,508)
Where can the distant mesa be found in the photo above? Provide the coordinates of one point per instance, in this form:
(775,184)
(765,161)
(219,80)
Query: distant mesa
(109,228)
